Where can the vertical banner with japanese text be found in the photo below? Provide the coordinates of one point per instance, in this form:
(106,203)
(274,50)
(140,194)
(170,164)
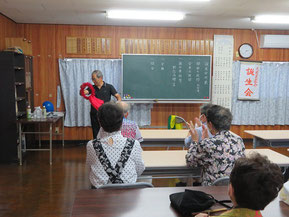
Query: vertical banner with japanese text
(249,81)
(222,70)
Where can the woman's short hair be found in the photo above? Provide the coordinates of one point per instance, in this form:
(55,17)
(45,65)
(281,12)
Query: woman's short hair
(205,108)
(256,181)
(110,117)
(220,117)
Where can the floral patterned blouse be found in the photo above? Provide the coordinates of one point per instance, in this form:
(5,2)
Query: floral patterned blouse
(216,155)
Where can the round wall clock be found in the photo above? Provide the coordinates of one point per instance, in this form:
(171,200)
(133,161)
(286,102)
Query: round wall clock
(245,50)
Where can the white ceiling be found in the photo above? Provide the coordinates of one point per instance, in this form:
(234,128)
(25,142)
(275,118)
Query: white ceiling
(212,14)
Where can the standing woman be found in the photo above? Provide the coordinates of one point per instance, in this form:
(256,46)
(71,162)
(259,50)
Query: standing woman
(215,155)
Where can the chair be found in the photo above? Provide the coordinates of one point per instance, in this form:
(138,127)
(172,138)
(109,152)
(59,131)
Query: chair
(223,181)
(127,185)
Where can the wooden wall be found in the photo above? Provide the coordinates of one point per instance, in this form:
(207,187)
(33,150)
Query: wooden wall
(48,42)
(7,29)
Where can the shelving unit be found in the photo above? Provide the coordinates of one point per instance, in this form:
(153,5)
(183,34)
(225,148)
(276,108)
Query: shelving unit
(14,99)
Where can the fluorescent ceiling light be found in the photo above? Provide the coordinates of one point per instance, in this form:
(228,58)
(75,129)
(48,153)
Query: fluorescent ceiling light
(183,0)
(271,19)
(145,15)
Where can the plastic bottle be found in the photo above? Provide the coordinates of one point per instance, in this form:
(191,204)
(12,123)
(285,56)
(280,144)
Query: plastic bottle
(28,112)
(44,113)
(37,112)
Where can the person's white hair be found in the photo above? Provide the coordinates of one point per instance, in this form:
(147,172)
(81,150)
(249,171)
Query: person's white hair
(125,106)
(98,73)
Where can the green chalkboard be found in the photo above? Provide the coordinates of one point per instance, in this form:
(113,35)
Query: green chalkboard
(166,77)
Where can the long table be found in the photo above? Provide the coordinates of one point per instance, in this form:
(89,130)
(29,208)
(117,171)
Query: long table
(163,138)
(173,163)
(168,163)
(152,202)
(273,138)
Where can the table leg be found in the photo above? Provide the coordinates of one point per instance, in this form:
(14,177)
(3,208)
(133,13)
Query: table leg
(39,136)
(63,131)
(20,144)
(254,142)
(50,144)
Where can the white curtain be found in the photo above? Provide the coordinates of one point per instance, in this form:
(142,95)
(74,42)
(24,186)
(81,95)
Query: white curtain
(273,106)
(74,72)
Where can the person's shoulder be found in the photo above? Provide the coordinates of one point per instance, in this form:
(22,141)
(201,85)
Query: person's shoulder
(136,143)
(237,212)
(108,85)
(235,136)
(90,144)
(130,122)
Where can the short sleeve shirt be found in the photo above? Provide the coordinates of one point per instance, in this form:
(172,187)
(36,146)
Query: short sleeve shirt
(104,93)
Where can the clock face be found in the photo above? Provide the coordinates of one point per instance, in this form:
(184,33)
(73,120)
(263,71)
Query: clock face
(246,51)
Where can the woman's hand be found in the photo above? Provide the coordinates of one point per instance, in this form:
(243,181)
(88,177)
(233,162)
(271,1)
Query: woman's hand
(205,132)
(193,132)
(198,123)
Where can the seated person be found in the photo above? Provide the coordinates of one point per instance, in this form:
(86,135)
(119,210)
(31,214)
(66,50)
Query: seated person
(113,158)
(254,183)
(199,121)
(129,129)
(215,155)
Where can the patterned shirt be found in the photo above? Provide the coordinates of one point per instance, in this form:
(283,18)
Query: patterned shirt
(133,167)
(241,212)
(129,129)
(216,155)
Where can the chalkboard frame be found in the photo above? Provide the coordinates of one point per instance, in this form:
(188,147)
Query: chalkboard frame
(149,100)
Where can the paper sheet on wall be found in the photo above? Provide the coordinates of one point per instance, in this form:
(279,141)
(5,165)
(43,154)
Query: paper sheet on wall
(249,81)
(222,70)
(58,97)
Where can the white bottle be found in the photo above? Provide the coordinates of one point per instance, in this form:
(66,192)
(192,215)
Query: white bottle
(28,112)
(37,112)
(44,113)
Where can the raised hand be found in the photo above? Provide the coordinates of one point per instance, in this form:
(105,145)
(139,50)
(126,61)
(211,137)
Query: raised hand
(193,132)
(205,132)
(198,123)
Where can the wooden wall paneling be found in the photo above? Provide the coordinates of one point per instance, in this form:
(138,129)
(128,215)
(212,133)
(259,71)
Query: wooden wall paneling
(160,112)
(8,29)
(23,43)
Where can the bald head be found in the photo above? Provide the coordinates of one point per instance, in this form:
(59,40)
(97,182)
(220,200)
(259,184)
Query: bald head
(125,107)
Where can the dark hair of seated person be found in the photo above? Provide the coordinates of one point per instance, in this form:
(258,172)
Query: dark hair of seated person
(256,181)
(220,117)
(110,116)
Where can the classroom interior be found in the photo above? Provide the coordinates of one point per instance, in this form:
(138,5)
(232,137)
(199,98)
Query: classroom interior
(39,189)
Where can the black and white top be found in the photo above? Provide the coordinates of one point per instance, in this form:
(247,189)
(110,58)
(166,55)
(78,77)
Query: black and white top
(113,145)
